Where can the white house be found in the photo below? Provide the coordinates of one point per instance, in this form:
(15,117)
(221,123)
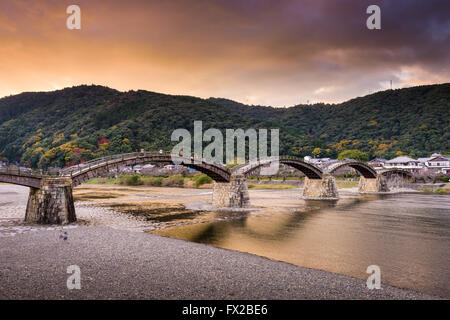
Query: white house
(436,163)
(405,163)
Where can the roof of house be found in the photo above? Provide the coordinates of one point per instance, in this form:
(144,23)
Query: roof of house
(433,156)
(438,158)
(378,160)
(401,160)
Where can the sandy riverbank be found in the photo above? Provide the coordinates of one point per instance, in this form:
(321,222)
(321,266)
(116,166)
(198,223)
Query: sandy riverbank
(119,261)
(119,264)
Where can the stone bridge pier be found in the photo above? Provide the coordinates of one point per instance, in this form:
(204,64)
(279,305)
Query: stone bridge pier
(232,194)
(373,185)
(52,203)
(320,189)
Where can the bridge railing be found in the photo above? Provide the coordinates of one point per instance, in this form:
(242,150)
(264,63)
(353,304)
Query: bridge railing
(92,164)
(249,166)
(27,172)
(112,159)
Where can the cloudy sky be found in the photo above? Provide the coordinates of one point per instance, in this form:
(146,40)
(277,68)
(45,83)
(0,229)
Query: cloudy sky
(268,52)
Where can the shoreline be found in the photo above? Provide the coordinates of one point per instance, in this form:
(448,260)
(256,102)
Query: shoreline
(112,237)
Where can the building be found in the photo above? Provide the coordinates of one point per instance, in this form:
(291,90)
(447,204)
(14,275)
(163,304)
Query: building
(325,162)
(320,162)
(436,163)
(405,163)
(126,170)
(377,163)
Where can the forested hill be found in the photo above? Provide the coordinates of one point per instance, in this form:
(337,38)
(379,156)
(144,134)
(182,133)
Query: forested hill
(80,123)
(413,121)
(76,124)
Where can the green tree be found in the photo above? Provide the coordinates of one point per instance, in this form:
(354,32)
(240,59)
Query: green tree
(354,154)
(316,152)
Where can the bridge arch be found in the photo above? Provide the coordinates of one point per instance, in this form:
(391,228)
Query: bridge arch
(363,168)
(88,170)
(401,172)
(309,170)
(20,178)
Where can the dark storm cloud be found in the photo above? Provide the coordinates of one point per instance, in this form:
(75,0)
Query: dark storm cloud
(277,52)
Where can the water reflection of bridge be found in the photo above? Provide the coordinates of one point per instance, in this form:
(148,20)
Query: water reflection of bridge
(51,200)
(213,233)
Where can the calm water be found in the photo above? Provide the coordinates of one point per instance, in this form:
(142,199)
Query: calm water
(406,235)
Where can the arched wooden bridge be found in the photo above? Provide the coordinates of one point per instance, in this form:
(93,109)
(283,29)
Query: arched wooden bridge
(219,173)
(308,169)
(363,168)
(51,199)
(94,168)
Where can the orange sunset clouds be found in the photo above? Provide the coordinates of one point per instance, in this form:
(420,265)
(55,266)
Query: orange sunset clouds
(277,53)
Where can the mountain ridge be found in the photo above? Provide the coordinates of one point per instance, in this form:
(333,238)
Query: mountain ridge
(71,125)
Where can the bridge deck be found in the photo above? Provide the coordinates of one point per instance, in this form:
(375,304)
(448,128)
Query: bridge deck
(86,170)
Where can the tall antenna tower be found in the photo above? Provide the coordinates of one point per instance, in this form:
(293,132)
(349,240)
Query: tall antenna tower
(391,84)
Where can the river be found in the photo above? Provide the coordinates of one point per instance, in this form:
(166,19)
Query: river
(407,235)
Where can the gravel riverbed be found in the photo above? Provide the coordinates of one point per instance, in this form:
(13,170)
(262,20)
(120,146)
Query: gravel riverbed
(119,261)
